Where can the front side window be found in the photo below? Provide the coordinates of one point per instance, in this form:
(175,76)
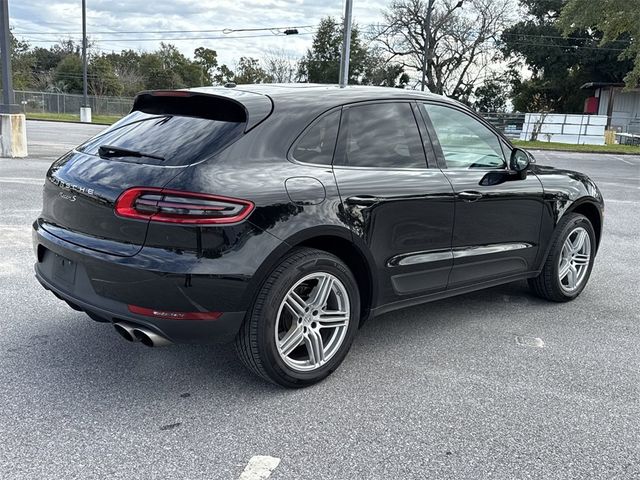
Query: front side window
(465,142)
(383,135)
(316,145)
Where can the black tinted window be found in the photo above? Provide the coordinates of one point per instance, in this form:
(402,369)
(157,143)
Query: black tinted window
(383,135)
(317,144)
(179,140)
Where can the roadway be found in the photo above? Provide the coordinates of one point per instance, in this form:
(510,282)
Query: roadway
(458,388)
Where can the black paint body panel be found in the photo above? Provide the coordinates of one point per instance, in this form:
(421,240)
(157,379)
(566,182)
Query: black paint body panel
(416,238)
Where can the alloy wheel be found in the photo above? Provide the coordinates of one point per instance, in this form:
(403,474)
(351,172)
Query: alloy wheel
(312,321)
(575,256)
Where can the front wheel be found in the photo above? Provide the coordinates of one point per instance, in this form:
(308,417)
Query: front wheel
(303,320)
(568,266)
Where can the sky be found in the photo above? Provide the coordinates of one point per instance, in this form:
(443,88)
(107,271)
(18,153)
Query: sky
(43,22)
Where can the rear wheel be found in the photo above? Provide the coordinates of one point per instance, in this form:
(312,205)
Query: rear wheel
(303,321)
(568,266)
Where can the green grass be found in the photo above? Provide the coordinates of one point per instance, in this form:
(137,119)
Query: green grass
(70,117)
(565,147)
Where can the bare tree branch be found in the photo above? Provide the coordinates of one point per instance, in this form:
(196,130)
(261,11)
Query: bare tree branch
(461,41)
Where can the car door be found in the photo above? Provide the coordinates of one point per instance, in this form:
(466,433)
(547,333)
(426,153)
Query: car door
(398,208)
(497,212)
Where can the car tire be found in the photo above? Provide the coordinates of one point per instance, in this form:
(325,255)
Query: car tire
(566,272)
(311,300)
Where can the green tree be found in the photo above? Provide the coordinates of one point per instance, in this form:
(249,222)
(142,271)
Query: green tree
(68,74)
(207,59)
(155,73)
(559,65)
(250,71)
(224,75)
(102,78)
(379,72)
(126,66)
(21,63)
(321,64)
(491,96)
(619,22)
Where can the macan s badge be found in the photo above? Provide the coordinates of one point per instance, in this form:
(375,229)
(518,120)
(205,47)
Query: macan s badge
(68,196)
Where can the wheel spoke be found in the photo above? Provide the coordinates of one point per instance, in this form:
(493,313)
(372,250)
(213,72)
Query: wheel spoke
(581,259)
(322,292)
(572,277)
(295,303)
(578,242)
(333,319)
(291,340)
(564,270)
(315,347)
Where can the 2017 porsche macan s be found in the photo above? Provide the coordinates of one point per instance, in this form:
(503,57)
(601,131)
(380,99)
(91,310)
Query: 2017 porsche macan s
(282,217)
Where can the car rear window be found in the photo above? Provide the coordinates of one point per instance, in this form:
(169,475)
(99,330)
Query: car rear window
(170,132)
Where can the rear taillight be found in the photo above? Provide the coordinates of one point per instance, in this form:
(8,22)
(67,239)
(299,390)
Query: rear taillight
(175,206)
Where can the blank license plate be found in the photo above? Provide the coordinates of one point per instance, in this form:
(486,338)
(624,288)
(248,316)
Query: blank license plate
(64,270)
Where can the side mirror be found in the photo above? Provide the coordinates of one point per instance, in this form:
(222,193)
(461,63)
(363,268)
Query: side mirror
(519,161)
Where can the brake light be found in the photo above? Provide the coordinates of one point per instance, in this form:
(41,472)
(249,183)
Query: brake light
(176,206)
(170,93)
(152,312)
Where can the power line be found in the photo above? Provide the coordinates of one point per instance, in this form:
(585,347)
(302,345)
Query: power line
(168,39)
(226,31)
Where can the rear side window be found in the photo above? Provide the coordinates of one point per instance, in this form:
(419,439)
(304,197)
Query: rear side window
(166,134)
(383,135)
(317,144)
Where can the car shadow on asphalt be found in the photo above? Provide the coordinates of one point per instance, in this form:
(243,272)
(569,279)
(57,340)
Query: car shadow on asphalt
(85,354)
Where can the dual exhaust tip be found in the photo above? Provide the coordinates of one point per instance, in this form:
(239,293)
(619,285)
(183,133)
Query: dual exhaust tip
(136,333)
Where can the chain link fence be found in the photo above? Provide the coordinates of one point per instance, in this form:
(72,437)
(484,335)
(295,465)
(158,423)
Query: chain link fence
(53,102)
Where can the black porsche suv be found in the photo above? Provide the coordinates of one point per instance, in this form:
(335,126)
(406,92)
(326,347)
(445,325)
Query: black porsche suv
(281,217)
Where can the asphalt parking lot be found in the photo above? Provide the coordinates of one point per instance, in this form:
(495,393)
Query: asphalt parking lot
(443,390)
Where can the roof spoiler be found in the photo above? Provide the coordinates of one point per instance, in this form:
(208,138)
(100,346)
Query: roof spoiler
(228,105)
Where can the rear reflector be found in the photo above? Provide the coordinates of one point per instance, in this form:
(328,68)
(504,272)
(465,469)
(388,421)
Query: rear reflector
(175,206)
(151,312)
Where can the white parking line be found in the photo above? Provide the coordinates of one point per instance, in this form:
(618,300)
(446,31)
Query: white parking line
(22,180)
(612,200)
(259,468)
(624,160)
(529,341)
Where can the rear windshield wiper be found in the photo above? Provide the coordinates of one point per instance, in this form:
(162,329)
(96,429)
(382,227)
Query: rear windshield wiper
(109,151)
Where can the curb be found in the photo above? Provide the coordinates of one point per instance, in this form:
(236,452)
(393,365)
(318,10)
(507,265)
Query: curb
(597,152)
(67,121)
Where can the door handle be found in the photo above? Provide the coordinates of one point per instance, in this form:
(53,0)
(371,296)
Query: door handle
(363,201)
(470,196)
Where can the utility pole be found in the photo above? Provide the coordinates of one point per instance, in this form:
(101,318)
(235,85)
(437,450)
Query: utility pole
(8,98)
(346,44)
(13,127)
(85,110)
(427,43)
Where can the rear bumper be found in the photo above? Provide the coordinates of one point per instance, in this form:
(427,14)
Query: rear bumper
(105,289)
